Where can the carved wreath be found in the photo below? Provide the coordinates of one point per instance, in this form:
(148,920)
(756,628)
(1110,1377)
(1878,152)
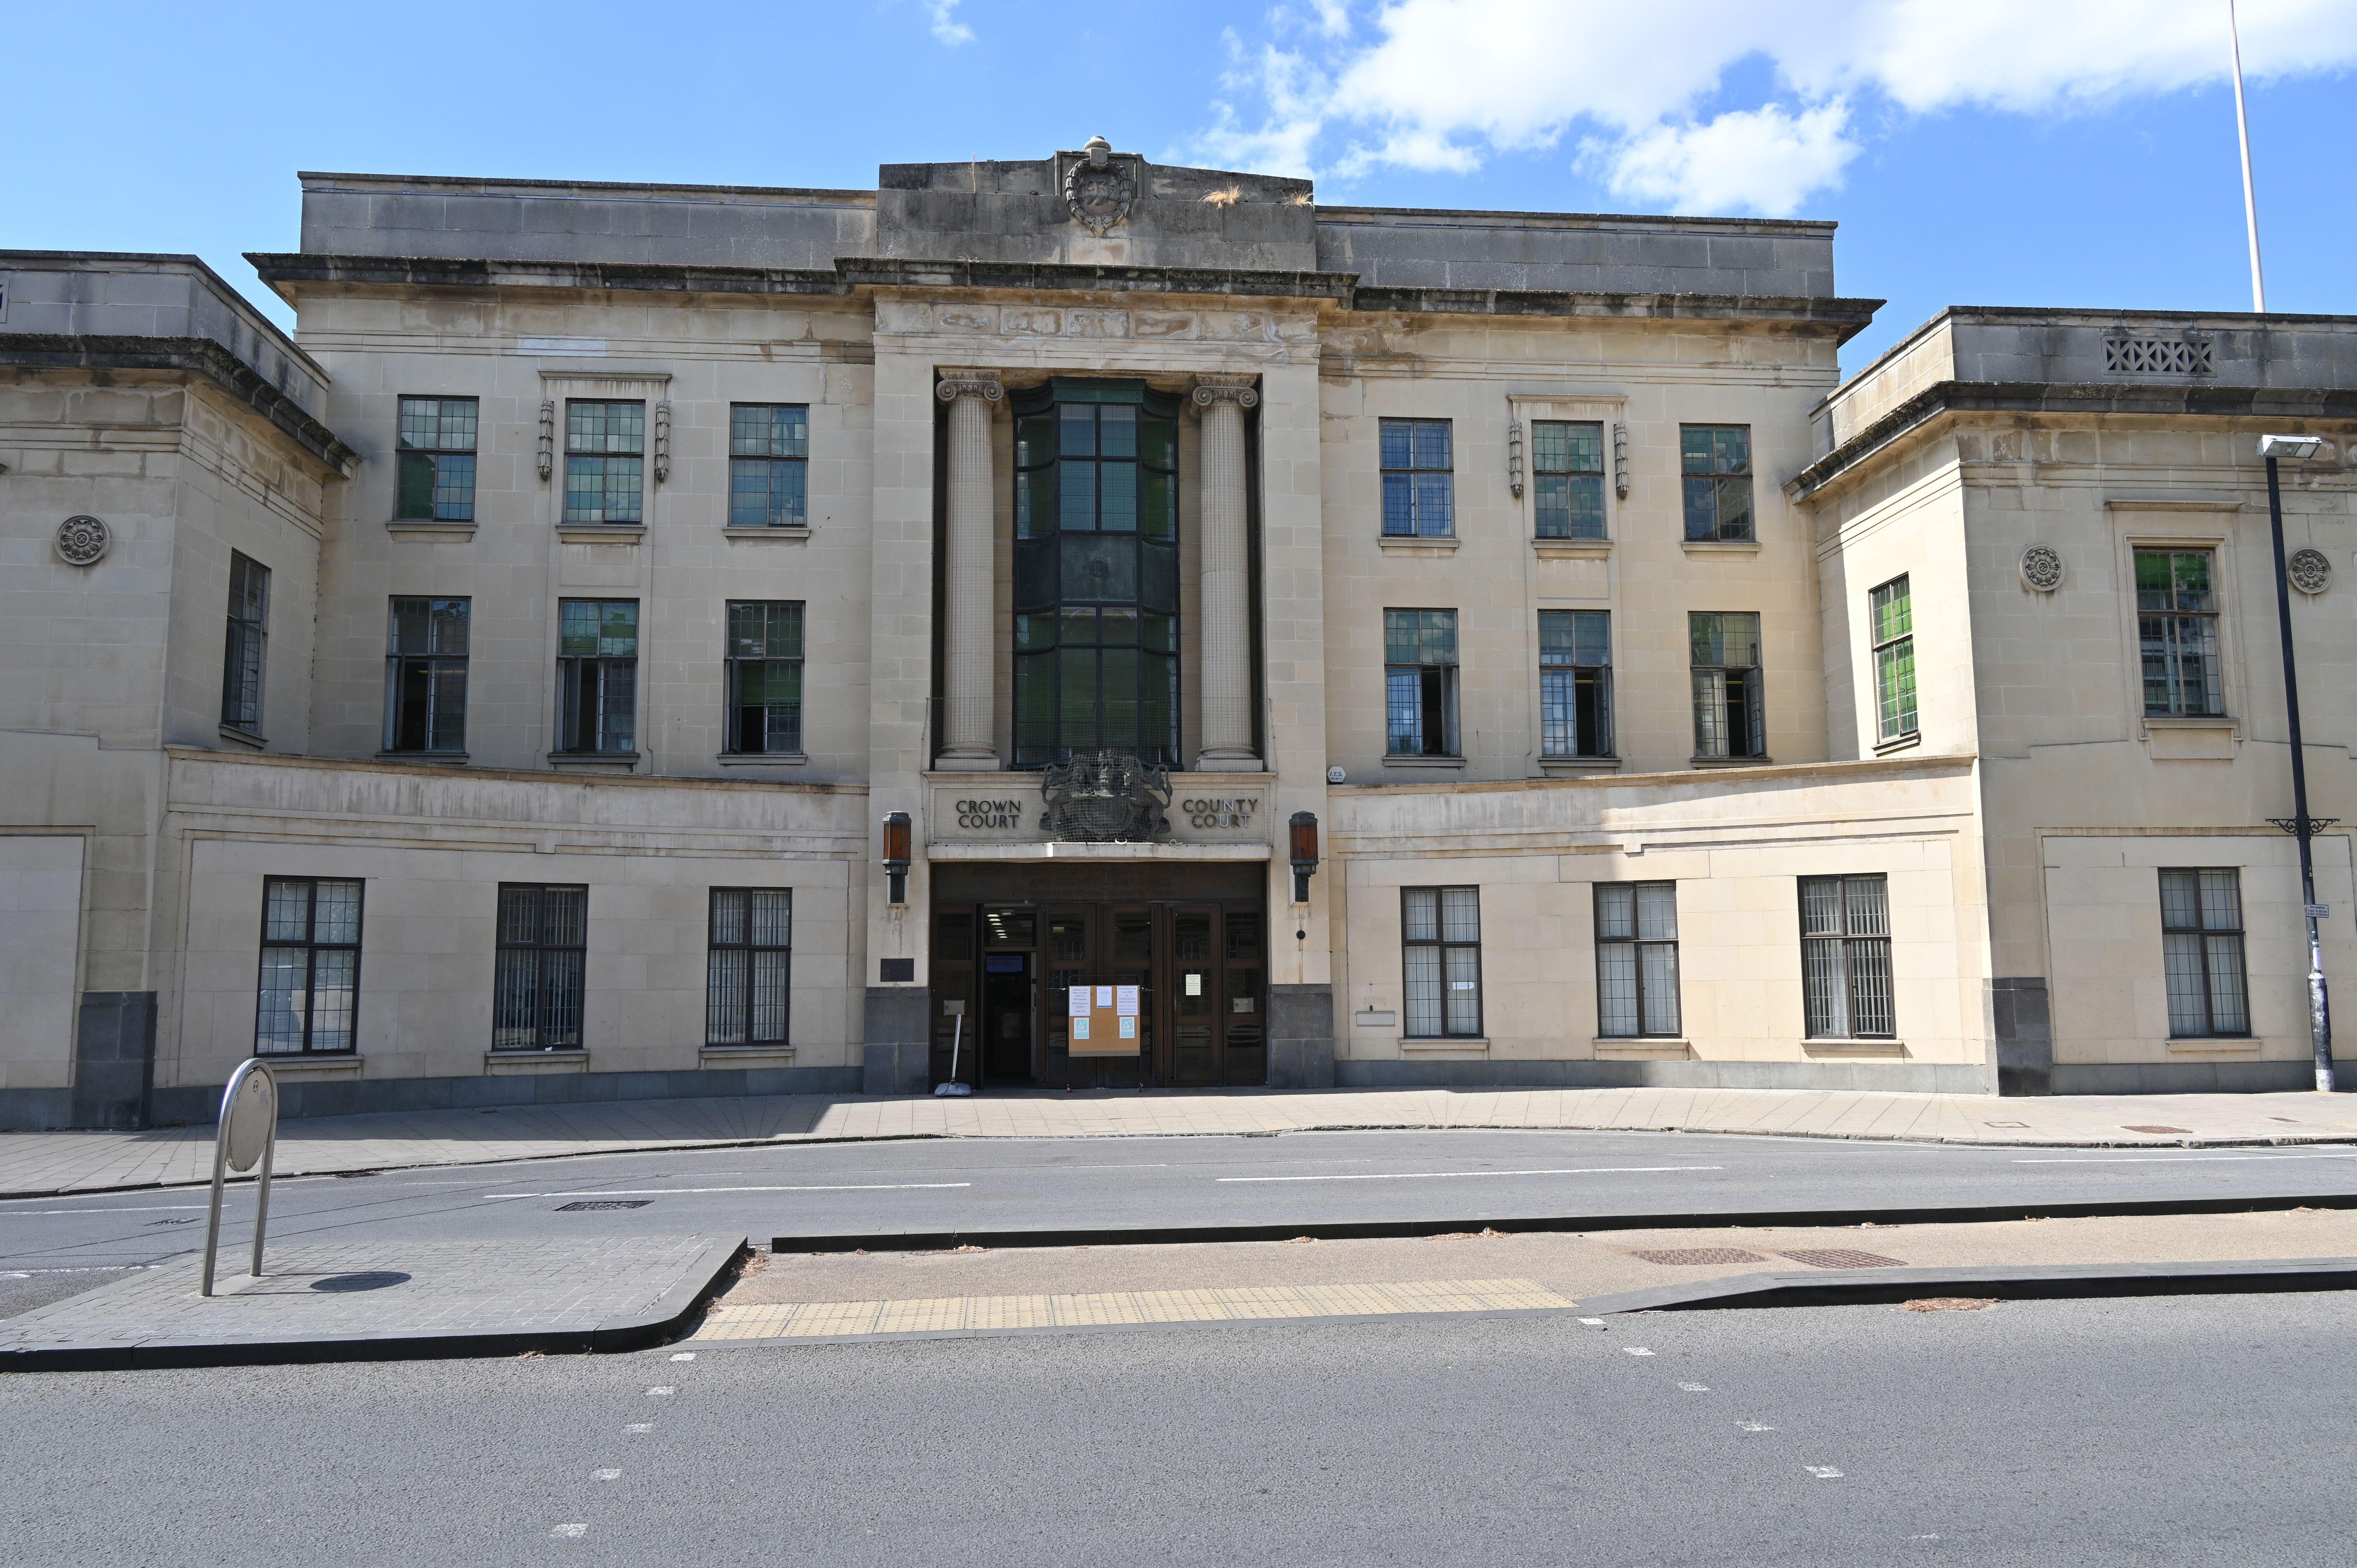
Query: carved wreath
(2042,568)
(82,541)
(1099,188)
(2310,571)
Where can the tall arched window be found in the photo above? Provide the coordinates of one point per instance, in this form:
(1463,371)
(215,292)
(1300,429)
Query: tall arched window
(1096,572)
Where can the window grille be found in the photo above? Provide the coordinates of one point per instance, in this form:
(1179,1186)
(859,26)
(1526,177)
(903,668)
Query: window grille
(542,952)
(1846,957)
(2202,951)
(1440,935)
(1637,959)
(750,965)
(310,966)
(1419,488)
(248,644)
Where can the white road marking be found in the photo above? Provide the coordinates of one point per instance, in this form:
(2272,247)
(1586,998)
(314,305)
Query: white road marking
(91,1269)
(639,1426)
(1634,1350)
(1695,1388)
(660,1392)
(1823,1472)
(1427,1176)
(2171,1159)
(686,1191)
(1593,1322)
(684,1356)
(84,1213)
(607,1475)
(569,1531)
(1754,1426)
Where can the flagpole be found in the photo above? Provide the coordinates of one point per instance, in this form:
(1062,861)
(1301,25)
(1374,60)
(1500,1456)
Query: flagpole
(2250,198)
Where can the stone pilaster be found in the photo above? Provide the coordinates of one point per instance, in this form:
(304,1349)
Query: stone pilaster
(1227,582)
(967,654)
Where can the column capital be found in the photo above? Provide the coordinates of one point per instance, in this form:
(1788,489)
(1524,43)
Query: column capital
(1241,390)
(961,382)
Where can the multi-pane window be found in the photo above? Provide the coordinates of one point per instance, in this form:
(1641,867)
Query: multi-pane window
(310,965)
(768,464)
(1716,460)
(1730,707)
(544,939)
(1576,683)
(1846,957)
(597,675)
(1419,489)
(1893,612)
(1420,682)
(1440,937)
(752,959)
(425,675)
(765,676)
(437,459)
(248,645)
(1096,570)
(605,463)
(2201,949)
(2177,621)
(1636,958)
(1567,479)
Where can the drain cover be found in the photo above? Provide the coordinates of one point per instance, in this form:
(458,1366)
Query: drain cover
(1680,1256)
(1841,1258)
(2156,1129)
(589,1204)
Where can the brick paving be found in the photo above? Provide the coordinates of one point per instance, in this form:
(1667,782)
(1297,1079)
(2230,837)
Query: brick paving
(45,1163)
(379,1295)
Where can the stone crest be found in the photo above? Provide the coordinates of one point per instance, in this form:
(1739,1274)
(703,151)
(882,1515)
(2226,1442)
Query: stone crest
(1099,188)
(1105,797)
(2310,571)
(82,541)
(2042,568)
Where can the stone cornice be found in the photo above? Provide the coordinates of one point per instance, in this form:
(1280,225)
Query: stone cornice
(1844,318)
(2079,399)
(188,356)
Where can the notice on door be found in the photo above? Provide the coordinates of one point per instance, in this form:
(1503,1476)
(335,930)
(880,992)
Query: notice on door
(1102,1020)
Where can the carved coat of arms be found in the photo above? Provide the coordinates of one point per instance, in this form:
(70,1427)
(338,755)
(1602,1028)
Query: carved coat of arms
(1099,188)
(1105,797)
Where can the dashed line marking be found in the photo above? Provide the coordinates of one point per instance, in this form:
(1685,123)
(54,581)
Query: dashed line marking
(664,1392)
(684,1356)
(1753,1426)
(1634,1350)
(691,1191)
(1433,1176)
(1693,1388)
(569,1531)
(1823,1472)
(607,1475)
(639,1426)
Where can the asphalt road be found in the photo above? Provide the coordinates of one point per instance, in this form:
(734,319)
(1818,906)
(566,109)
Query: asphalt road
(2153,1432)
(1298,1178)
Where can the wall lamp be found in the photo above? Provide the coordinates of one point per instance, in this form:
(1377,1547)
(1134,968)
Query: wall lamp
(1302,831)
(896,857)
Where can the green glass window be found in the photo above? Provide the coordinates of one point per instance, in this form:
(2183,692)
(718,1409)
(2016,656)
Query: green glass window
(1567,479)
(437,459)
(597,675)
(1730,707)
(2177,622)
(768,464)
(1420,682)
(1576,683)
(605,448)
(765,676)
(1096,572)
(1893,613)
(1717,464)
(1419,477)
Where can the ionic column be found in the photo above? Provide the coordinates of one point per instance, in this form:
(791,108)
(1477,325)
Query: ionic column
(967,663)
(1227,582)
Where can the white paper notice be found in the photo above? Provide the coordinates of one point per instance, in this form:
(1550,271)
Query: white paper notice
(1194,985)
(1105,995)
(1079,1000)
(1125,1001)
(1129,1025)
(1080,1025)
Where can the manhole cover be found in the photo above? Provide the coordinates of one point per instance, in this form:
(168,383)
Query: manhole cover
(1684,1257)
(1841,1258)
(2156,1129)
(594,1203)
(374,1279)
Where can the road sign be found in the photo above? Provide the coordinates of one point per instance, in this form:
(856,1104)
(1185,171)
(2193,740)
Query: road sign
(248,1133)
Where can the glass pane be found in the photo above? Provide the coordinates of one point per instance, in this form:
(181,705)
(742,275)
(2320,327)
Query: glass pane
(1397,445)
(278,1013)
(1870,985)
(1616,988)
(1551,502)
(618,630)
(770,969)
(1157,511)
(1463,967)
(1701,508)
(1460,915)
(1870,905)
(1420,914)
(2228,1012)
(1739,641)
(1694,449)
(1558,713)
(1117,431)
(1587,504)
(1076,706)
(560,1015)
(724,1008)
(564,916)
(1077,430)
(2180,900)
(1710,713)
(1734,504)
(519,915)
(1550,447)
(1158,443)
(728,915)
(1399,504)
(336,912)
(1435,514)
(1014,929)
(1825,988)
(1592,637)
(1158,588)
(515,1000)
(773,918)
(287,911)
(2184,967)
(1422,992)
(1118,497)
(1102,568)
(577,627)
(1657,911)
(2222,900)
(1404,708)
(1432,443)
(1821,911)
(415,486)
(1659,961)
(1616,910)
(335,990)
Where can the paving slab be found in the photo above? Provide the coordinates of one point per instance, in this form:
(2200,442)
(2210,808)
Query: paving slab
(46,1164)
(379,1301)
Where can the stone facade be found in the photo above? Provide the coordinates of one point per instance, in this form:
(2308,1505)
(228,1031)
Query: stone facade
(2015,830)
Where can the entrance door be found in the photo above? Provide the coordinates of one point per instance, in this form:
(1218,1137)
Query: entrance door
(1218,1033)
(1096,944)
(1007,998)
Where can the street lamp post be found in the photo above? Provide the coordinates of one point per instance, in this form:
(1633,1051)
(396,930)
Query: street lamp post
(2302,825)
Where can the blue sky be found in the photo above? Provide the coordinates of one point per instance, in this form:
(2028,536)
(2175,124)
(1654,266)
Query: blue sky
(2006,152)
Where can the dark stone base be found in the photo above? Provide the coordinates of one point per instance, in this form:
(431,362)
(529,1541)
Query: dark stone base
(114,1059)
(1301,1037)
(2197,1078)
(2024,1027)
(1901,1078)
(898,1058)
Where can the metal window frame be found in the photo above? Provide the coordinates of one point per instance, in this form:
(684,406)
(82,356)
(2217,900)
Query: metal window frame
(1450,741)
(604,455)
(1717,532)
(1756,688)
(1415,508)
(1602,674)
(1849,971)
(311,947)
(770,460)
(565,661)
(1880,645)
(2206,932)
(2214,663)
(1637,944)
(1438,940)
(402,450)
(540,947)
(245,642)
(733,670)
(1539,469)
(712,944)
(396,663)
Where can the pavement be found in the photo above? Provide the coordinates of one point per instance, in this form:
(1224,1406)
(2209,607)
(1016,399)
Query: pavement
(40,1163)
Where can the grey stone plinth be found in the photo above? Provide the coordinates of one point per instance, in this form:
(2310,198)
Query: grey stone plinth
(114,1059)
(1301,1037)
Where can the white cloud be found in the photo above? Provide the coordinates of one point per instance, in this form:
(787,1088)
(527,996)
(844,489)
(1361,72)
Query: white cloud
(1442,84)
(947,28)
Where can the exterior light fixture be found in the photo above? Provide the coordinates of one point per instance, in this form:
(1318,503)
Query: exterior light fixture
(896,857)
(2297,448)
(2299,824)
(1302,833)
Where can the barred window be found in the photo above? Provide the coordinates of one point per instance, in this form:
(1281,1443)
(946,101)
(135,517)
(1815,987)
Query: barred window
(750,964)
(768,464)
(434,450)
(1891,610)
(605,447)
(310,966)
(1567,479)
(765,676)
(1420,682)
(2177,621)
(1729,706)
(1636,959)
(1419,489)
(1576,683)
(248,644)
(425,675)
(2201,949)
(544,939)
(1717,464)
(1846,957)
(597,676)
(1440,937)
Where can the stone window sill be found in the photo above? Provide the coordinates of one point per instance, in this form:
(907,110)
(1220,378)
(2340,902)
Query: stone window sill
(243,737)
(761,759)
(2215,1042)
(1415,544)
(593,758)
(1422,1043)
(2190,720)
(1641,1042)
(430,528)
(1733,761)
(779,535)
(601,532)
(1571,549)
(1899,743)
(497,1063)
(1869,1048)
(1580,764)
(428,756)
(745,1056)
(1721,546)
(1423,762)
(316,1064)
